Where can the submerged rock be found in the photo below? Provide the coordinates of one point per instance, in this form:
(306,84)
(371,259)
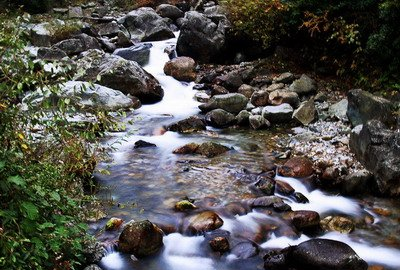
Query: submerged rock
(140,238)
(211,149)
(189,148)
(338,224)
(220,244)
(245,250)
(324,254)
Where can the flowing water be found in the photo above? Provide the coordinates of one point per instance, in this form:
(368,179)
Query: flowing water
(145,183)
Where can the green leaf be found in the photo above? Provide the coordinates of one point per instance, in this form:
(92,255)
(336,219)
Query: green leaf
(16,180)
(2,165)
(55,196)
(30,210)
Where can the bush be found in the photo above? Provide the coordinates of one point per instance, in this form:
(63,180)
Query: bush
(44,164)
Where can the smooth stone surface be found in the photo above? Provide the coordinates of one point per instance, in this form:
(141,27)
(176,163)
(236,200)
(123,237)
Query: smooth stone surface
(278,114)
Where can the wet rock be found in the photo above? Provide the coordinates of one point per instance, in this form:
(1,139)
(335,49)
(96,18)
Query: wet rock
(275,260)
(278,114)
(211,149)
(306,113)
(124,39)
(324,254)
(200,38)
(378,149)
(338,224)
(242,118)
(260,98)
(189,148)
(358,182)
(93,252)
(286,77)
(188,125)
(144,24)
(266,185)
(281,207)
(184,205)
(219,244)
(284,188)
(304,219)
(113,224)
(245,250)
(139,53)
(236,208)
(107,45)
(304,85)
(204,222)
(143,144)
(258,122)
(169,11)
(339,110)
(219,118)
(202,96)
(140,238)
(364,106)
(232,103)
(181,68)
(246,90)
(300,198)
(297,167)
(51,54)
(280,96)
(265,201)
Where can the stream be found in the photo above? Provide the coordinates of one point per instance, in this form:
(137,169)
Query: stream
(145,183)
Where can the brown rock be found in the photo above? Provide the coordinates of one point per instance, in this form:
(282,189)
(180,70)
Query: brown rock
(141,238)
(283,187)
(304,219)
(246,90)
(338,224)
(211,149)
(281,96)
(189,148)
(260,98)
(181,68)
(219,244)
(297,167)
(204,222)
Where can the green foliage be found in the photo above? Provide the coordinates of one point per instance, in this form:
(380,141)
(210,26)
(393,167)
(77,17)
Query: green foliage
(45,161)
(352,37)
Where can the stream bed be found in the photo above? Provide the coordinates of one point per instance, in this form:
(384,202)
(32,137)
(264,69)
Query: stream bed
(145,183)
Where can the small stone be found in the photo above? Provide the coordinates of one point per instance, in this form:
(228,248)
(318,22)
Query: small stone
(304,219)
(211,149)
(220,118)
(339,110)
(75,12)
(242,118)
(286,77)
(260,98)
(300,198)
(246,90)
(306,113)
(281,207)
(181,68)
(304,85)
(278,114)
(204,222)
(188,125)
(143,144)
(219,244)
(338,224)
(258,122)
(184,205)
(297,167)
(281,96)
(113,224)
(284,188)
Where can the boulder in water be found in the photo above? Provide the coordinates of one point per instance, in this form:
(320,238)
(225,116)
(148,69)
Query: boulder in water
(220,118)
(324,254)
(139,53)
(181,68)
(232,103)
(188,125)
(211,149)
(204,222)
(297,167)
(140,238)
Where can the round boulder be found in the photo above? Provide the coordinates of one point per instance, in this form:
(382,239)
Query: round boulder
(297,167)
(181,68)
(204,222)
(141,238)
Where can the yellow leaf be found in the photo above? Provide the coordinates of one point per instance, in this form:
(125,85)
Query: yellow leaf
(24,146)
(21,136)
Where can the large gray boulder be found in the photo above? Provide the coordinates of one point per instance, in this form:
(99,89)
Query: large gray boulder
(232,103)
(364,106)
(324,254)
(200,38)
(144,24)
(378,149)
(120,74)
(139,53)
(304,85)
(84,96)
